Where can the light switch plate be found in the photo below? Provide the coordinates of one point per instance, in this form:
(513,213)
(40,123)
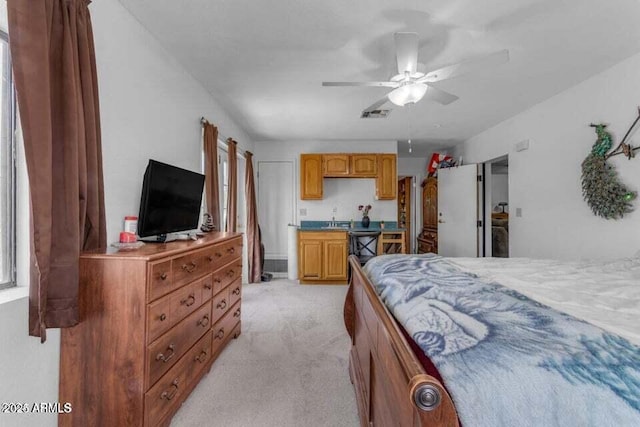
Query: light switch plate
(522,145)
(518,212)
(303,212)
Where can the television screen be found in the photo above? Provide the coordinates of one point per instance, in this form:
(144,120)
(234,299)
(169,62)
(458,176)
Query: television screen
(171,198)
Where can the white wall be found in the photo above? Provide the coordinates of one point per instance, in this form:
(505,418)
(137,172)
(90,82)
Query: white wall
(150,108)
(544,181)
(345,194)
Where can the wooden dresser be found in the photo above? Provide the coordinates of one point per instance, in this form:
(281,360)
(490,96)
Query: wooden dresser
(153,320)
(428,237)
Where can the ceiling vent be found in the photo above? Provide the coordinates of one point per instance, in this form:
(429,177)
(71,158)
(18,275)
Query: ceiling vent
(375,114)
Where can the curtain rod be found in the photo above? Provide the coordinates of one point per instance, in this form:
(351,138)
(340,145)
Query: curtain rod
(239,150)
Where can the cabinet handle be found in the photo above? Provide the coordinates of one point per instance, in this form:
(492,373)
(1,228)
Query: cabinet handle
(189,267)
(204,322)
(231,273)
(202,357)
(166,358)
(172,392)
(163,276)
(163,317)
(189,301)
(237,313)
(220,334)
(222,305)
(236,291)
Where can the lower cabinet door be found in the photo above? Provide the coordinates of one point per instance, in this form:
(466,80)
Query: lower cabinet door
(335,260)
(310,259)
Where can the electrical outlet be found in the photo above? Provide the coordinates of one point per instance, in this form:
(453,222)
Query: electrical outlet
(518,212)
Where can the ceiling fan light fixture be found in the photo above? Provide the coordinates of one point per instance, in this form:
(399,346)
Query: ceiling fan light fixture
(408,94)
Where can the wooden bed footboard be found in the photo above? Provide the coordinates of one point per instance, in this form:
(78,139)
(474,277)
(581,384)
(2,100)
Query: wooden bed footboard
(391,386)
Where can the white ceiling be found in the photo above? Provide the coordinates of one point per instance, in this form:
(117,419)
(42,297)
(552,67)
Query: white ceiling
(265,60)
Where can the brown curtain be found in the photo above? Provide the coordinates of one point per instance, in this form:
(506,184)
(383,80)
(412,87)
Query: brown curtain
(54,69)
(253,237)
(212,192)
(232,189)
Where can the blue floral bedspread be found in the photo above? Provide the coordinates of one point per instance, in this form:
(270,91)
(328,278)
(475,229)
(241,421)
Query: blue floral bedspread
(508,360)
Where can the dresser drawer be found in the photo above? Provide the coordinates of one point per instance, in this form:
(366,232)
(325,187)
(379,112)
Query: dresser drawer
(160,279)
(223,331)
(167,350)
(227,274)
(220,305)
(225,252)
(169,391)
(235,291)
(189,267)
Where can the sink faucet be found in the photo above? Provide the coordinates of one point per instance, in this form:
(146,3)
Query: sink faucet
(333,221)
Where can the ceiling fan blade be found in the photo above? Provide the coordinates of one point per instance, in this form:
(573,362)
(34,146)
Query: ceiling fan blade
(439,95)
(378,84)
(376,105)
(406,52)
(465,67)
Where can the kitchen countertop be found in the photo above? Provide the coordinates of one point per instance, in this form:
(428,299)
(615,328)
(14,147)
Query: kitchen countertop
(389,226)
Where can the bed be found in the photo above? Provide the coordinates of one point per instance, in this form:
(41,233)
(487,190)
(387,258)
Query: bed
(494,342)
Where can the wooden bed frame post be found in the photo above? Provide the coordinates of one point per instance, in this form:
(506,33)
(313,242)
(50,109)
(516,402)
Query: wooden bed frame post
(391,385)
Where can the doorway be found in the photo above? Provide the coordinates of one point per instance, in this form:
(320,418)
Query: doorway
(497,207)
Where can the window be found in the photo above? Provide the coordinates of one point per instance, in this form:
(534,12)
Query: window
(7,169)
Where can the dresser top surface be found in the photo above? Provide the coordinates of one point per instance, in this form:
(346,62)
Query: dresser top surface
(152,251)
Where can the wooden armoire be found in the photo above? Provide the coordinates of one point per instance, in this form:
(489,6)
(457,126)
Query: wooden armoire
(428,237)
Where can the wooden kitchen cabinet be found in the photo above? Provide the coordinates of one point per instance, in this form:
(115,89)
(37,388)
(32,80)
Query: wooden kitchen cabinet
(322,257)
(387,177)
(336,165)
(311,176)
(364,165)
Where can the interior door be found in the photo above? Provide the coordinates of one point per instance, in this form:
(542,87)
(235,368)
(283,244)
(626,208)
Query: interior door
(275,206)
(458,211)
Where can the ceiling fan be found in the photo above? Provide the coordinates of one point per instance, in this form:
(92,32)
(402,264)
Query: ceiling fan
(410,85)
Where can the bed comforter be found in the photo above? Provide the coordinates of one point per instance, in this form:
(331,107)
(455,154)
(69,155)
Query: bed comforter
(506,359)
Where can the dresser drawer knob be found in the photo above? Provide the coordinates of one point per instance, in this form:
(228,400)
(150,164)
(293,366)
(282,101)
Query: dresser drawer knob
(189,301)
(220,334)
(166,357)
(189,267)
(218,254)
(204,322)
(163,317)
(231,250)
(209,258)
(173,389)
(222,304)
(202,357)
(217,280)
(208,285)
(236,291)
(231,273)
(163,276)
(237,313)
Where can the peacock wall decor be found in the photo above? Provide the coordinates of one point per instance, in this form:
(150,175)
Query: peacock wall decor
(602,189)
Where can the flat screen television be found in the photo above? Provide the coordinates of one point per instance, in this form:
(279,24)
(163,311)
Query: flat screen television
(170,202)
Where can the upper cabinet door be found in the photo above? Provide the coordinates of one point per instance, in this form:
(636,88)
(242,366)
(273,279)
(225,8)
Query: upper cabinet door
(336,165)
(364,165)
(387,178)
(311,176)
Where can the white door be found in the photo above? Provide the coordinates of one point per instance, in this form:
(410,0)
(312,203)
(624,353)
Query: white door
(458,211)
(276,187)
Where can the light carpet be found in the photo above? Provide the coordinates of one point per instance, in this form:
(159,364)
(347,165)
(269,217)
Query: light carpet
(289,367)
